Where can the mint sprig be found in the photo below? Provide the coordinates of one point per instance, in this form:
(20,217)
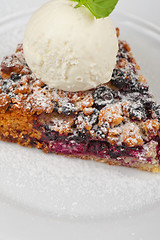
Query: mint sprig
(99,8)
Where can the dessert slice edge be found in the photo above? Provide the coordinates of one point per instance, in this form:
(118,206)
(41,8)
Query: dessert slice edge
(116,123)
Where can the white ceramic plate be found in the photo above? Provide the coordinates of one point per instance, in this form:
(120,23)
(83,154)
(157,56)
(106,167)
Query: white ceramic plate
(52,197)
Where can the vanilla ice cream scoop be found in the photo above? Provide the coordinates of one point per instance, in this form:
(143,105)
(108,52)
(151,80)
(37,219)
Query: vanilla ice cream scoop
(68,48)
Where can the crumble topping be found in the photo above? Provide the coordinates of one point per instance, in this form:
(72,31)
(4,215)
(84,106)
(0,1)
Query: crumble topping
(151,127)
(116,112)
(111,114)
(57,123)
(4,101)
(149,151)
(131,135)
(114,135)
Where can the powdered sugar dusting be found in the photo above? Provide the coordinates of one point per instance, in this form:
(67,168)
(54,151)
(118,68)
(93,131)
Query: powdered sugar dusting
(71,187)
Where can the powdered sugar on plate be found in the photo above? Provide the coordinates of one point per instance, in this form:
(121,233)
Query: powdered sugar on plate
(73,188)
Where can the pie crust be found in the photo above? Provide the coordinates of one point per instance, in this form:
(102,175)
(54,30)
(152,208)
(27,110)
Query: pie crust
(116,123)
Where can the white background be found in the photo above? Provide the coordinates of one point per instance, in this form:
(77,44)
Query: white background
(147,9)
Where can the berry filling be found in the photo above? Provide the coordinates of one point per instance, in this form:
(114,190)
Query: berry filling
(117,122)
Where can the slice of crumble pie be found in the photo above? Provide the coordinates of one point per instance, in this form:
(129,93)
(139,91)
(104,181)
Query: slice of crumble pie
(116,123)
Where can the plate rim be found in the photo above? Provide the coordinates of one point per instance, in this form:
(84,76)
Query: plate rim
(145,22)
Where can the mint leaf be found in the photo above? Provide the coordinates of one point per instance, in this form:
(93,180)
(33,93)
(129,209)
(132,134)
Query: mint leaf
(99,8)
